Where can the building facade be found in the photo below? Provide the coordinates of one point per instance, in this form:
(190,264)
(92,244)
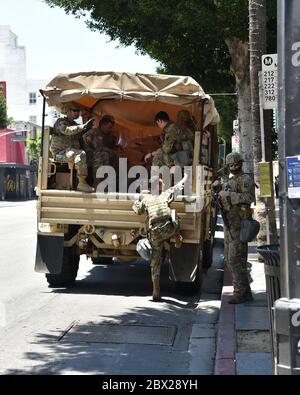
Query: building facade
(18,171)
(24,101)
(35,103)
(25,106)
(13,71)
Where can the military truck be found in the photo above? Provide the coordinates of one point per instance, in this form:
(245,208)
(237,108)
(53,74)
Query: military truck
(103,225)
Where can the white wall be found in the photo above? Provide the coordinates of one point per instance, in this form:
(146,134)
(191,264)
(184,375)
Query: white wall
(36,110)
(13,71)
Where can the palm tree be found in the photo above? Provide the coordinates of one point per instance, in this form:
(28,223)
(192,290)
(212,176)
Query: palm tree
(257,47)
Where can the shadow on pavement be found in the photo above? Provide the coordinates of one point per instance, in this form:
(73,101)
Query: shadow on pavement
(79,348)
(75,350)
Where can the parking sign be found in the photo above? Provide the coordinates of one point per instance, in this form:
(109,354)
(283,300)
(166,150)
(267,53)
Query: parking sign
(269,76)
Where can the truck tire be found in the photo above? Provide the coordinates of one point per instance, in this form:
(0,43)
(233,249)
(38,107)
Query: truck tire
(104,260)
(69,271)
(188,253)
(207,255)
(190,288)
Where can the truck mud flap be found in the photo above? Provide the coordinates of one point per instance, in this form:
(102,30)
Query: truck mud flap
(184,262)
(49,254)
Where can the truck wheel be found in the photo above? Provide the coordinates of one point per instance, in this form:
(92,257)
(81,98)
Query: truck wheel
(184,262)
(69,270)
(207,255)
(104,260)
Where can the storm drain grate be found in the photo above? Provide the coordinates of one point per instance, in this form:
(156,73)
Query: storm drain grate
(120,334)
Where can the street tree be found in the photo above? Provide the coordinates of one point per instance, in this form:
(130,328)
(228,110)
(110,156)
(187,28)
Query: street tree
(3,112)
(33,146)
(205,39)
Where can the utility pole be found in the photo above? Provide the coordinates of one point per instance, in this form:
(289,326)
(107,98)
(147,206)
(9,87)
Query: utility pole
(287,309)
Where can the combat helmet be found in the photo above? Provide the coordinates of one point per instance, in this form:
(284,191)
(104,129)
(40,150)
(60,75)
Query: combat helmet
(144,248)
(234,157)
(70,106)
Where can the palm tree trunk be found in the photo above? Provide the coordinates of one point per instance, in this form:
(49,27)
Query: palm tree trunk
(257,47)
(240,67)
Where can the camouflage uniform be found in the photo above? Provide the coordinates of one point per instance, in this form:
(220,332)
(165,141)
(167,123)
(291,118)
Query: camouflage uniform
(99,149)
(241,190)
(65,144)
(158,207)
(173,136)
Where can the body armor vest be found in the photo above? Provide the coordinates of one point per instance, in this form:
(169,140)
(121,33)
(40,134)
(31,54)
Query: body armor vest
(162,221)
(158,210)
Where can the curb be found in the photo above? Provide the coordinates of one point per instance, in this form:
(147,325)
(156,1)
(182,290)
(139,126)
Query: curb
(226,342)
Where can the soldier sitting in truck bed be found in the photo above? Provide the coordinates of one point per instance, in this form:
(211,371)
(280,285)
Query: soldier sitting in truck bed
(100,145)
(65,143)
(177,144)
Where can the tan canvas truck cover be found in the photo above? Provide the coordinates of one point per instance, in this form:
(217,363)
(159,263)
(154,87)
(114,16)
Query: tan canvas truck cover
(133,100)
(90,87)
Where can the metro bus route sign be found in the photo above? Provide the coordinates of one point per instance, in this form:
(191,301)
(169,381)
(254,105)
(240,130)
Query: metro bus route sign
(293,176)
(269,79)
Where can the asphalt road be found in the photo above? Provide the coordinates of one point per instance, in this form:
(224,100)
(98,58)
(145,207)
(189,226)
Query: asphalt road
(106,323)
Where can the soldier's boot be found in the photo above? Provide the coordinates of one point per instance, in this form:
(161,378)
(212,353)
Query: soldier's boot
(156,297)
(83,186)
(249,267)
(241,297)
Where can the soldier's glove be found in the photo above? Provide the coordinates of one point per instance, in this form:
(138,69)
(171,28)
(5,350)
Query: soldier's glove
(88,125)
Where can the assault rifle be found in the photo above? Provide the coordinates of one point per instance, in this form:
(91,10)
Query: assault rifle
(219,204)
(88,125)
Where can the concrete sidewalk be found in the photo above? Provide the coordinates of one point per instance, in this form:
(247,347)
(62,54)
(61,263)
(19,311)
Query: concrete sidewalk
(244,338)
(244,344)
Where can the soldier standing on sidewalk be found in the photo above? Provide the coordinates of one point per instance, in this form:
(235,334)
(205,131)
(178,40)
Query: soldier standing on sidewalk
(237,194)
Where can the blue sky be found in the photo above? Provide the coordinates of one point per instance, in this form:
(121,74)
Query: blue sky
(59,43)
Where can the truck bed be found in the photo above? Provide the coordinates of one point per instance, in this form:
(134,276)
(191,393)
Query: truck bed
(78,208)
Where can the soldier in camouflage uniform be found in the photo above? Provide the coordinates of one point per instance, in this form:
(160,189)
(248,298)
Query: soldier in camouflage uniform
(237,194)
(100,145)
(161,223)
(65,143)
(186,121)
(174,139)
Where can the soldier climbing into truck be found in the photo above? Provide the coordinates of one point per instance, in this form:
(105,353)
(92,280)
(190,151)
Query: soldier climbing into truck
(161,223)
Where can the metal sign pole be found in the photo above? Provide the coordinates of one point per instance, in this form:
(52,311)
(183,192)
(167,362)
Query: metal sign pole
(263,149)
(261,113)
